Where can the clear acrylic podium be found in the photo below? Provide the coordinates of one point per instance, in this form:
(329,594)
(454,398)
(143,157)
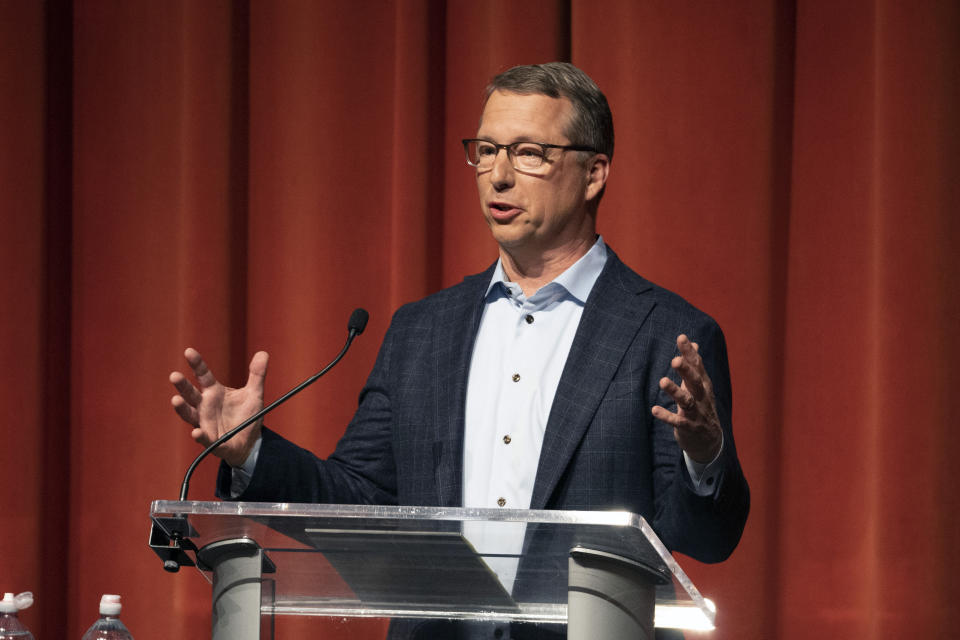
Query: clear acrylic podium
(603,574)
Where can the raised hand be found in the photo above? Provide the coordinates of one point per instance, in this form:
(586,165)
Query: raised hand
(212,409)
(696,425)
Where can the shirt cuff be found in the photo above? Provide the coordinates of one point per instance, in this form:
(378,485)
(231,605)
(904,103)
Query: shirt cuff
(704,475)
(240,476)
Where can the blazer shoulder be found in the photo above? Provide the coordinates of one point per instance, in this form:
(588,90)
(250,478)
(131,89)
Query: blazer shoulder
(666,302)
(470,291)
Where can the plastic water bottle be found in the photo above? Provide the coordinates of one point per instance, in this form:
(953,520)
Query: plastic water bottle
(108,626)
(10,626)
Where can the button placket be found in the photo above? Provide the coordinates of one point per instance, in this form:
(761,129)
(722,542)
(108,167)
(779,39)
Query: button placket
(514,403)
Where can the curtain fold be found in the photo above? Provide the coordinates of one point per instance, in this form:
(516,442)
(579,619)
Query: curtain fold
(236,176)
(873,285)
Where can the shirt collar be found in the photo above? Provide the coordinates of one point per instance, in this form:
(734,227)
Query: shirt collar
(578,279)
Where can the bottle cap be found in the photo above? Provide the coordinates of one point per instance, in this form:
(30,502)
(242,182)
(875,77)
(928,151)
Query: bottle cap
(110,605)
(13,603)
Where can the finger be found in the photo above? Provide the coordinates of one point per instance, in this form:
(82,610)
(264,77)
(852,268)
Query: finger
(669,386)
(187,413)
(204,376)
(682,426)
(183,386)
(689,350)
(258,372)
(680,395)
(198,435)
(692,378)
(704,376)
(675,420)
(689,365)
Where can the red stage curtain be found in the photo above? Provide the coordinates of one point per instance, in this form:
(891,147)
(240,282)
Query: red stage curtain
(237,176)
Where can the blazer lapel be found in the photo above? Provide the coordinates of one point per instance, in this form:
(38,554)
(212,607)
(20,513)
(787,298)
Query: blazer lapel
(612,315)
(454,334)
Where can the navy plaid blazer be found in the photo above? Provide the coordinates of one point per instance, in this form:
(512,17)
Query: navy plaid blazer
(602,448)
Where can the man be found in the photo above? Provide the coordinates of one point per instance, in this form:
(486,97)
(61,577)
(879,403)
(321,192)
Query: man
(546,382)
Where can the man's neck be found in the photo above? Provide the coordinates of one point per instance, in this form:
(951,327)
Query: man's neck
(533,270)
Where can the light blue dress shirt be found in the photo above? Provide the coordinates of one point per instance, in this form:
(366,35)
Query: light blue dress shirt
(520,351)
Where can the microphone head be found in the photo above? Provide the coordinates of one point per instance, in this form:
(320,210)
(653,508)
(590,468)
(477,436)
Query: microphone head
(358,321)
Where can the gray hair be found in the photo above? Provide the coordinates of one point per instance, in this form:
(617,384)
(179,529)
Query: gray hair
(592,122)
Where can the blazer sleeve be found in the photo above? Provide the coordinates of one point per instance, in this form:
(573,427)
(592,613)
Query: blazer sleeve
(361,470)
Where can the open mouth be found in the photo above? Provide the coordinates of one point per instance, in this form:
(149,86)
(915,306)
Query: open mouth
(502,207)
(503,211)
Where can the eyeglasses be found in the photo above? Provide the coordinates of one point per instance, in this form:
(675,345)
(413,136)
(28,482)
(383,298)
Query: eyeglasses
(524,156)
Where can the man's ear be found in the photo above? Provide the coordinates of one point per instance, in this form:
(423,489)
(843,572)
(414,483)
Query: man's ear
(598,169)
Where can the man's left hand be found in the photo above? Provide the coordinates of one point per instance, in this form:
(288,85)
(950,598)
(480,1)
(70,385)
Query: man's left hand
(695,424)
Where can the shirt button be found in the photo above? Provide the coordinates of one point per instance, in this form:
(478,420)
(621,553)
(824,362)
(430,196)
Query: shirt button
(502,502)
(506,439)
(529,319)
(515,377)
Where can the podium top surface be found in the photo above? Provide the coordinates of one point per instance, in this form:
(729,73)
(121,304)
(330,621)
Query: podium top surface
(465,563)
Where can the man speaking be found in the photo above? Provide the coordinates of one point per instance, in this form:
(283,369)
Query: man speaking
(556,379)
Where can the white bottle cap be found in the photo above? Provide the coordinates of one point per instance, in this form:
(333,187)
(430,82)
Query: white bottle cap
(13,603)
(110,605)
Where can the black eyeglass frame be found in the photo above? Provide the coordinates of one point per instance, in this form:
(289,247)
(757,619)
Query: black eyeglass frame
(510,152)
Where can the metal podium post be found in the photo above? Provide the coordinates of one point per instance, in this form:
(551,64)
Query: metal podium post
(609,597)
(237,568)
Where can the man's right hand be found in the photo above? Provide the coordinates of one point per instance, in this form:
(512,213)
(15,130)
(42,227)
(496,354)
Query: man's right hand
(213,409)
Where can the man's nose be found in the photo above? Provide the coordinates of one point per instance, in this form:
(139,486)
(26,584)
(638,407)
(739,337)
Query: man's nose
(501,175)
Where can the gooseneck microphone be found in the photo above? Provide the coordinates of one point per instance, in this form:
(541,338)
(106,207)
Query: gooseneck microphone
(356,325)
